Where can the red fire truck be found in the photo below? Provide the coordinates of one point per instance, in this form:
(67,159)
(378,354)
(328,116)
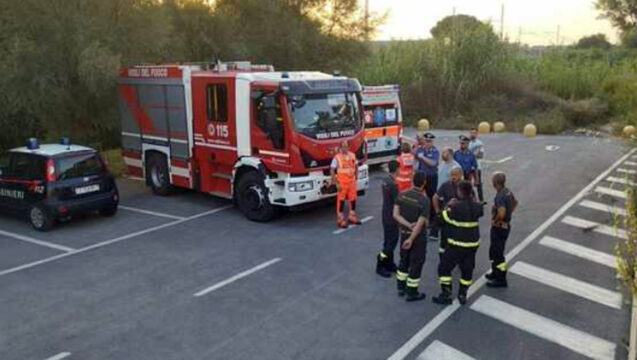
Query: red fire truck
(265,139)
(383,122)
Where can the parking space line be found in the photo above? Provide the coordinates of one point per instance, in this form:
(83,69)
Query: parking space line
(579,251)
(363,220)
(627,171)
(497,161)
(611,209)
(112,241)
(576,340)
(148,212)
(568,284)
(442,316)
(622,181)
(36,241)
(612,192)
(441,351)
(630,163)
(59,356)
(239,276)
(588,225)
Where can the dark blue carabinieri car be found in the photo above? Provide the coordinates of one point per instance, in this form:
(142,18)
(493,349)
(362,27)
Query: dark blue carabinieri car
(52,182)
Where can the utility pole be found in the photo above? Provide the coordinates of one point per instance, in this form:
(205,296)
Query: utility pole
(519,35)
(502,23)
(557,38)
(454,11)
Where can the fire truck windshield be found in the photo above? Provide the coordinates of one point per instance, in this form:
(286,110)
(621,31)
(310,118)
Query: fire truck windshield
(325,116)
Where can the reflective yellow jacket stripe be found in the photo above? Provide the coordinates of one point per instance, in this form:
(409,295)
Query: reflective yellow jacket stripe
(502,266)
(465,282)
(464,244)
(460,224)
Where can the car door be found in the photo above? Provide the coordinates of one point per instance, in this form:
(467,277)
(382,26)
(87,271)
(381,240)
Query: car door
(28,179)
(7,183)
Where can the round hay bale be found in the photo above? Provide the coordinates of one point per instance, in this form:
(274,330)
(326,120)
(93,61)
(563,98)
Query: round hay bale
(499,127)
(530,130)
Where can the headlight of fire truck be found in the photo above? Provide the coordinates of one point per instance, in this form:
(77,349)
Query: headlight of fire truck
(301,186)
(362,173)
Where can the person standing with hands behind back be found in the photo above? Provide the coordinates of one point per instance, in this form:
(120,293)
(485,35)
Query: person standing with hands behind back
(385,265)
(411,211)
(503,207)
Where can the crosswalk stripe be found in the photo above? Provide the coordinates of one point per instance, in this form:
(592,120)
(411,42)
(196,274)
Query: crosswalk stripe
(612,209)
(627,171)
(622,181)
(547,329)
(570,285)
(596,227)
(612,192)
(630,163)
(579,251)
(441,351)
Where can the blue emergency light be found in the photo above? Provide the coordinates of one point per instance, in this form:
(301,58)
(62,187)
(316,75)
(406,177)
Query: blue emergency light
(32,144)
(65,141)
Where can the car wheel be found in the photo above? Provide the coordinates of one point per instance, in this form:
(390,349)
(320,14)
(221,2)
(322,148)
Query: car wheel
(252,198)
(40,218)
(157,175)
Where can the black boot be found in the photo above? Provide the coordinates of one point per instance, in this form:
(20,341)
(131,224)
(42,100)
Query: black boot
(444,298)
(401,285)
(462,294)
(490,276)
(381,267)
(414,295)
(391,266)
(499,280)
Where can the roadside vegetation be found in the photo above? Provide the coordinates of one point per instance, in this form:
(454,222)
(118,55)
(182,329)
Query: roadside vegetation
(626,250)
(59,62)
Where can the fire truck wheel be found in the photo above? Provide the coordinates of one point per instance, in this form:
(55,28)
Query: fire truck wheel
(252,198)
(40,218)
(158,176)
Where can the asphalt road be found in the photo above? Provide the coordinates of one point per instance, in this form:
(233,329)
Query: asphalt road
(187,277)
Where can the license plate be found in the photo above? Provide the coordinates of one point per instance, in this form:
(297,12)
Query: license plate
(86,189)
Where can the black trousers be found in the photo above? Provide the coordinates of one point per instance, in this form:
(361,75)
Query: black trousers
(464,258)
(478,184)
(391,236)
(412,260)
(499,238)
(444,235)
(430,190)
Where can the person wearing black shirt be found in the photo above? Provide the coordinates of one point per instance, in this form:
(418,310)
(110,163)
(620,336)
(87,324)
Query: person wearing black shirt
(411,211)
(385,265)
(503,207)
(445,194)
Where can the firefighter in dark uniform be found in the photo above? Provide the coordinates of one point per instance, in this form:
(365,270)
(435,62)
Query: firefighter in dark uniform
(462,218)
(411,211)
(385,265)
(445,194)
(504,205)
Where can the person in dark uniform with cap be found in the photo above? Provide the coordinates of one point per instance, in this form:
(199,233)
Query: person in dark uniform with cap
(504,205)
(411,211)
(428,158)
(447,192)
(461,217)
(385,265)
(466,159)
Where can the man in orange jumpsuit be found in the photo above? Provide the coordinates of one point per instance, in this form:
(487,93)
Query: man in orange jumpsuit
(344,172)
(406,166)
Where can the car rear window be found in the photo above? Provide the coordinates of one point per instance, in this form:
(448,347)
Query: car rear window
(81,165)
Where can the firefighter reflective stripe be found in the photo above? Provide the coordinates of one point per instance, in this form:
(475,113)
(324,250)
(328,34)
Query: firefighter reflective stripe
(401,276)
(460,224)
(445,280)
(413,282)
(463,244)
(502,266)
(441,250)
(465,282)
(383,256)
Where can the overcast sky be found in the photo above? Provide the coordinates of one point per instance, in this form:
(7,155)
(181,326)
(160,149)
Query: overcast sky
(538,20)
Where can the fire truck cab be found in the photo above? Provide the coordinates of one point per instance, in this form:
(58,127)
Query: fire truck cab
(383,122)
(239,131)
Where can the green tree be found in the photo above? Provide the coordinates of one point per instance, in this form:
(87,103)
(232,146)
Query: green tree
(455,24)
(621,13)
(597,41)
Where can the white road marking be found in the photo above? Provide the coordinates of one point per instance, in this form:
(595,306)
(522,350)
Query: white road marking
(441,351)
(579,251)
(622,181)
(568,284)
(611,209)
(36,241)
(576,340)
(630,163)
(594,226)
(627,171)
(239,276)
(110,242)
(611,192)
(363,220)
(60,356)
(552,148)
(442,316)
(148,212)
(497,161)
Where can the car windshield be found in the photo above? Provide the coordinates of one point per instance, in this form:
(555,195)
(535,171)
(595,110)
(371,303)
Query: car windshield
(325,116)
(81,165)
